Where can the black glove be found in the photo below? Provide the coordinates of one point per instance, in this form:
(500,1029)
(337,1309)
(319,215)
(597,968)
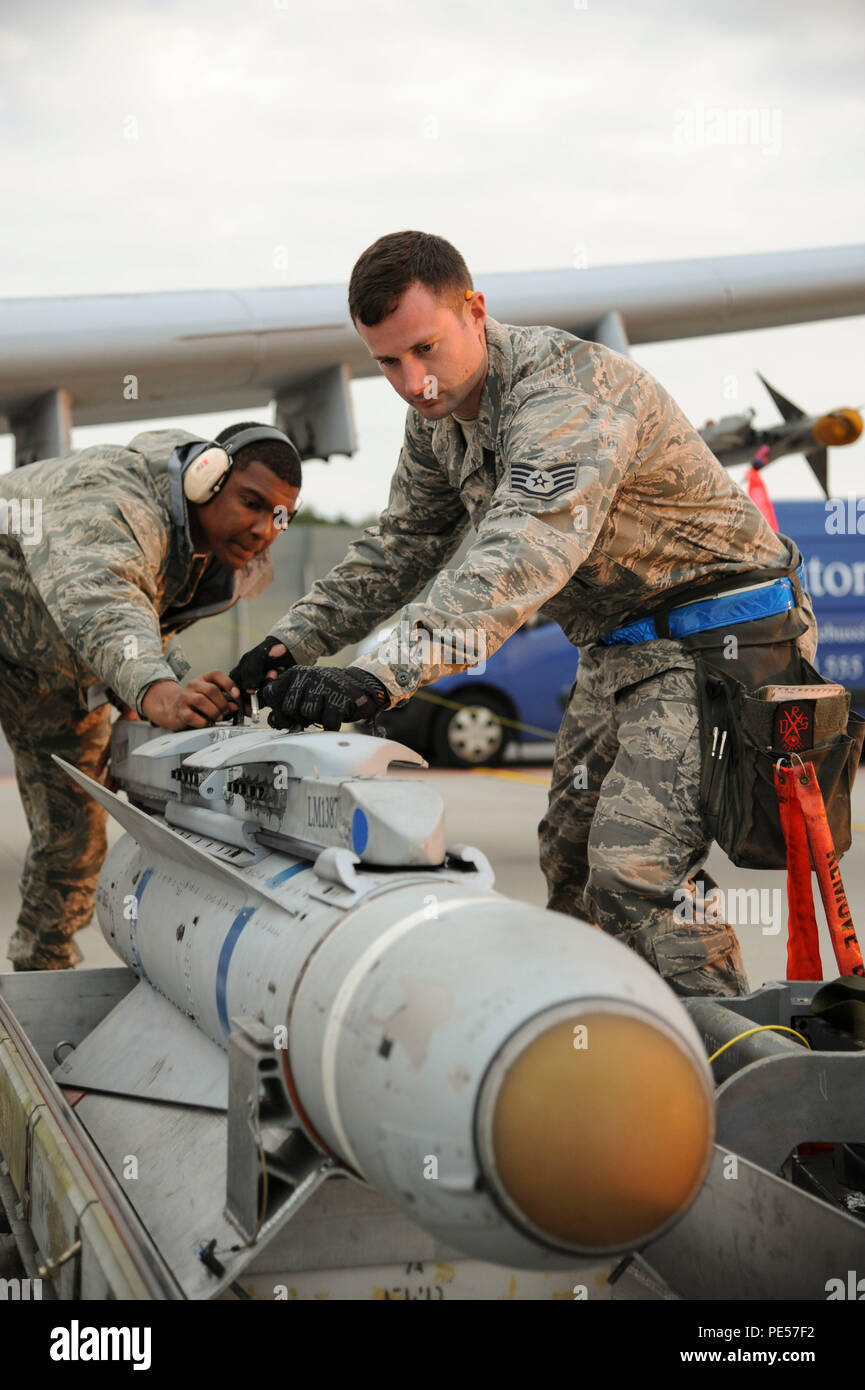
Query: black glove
(329,696)
(252,668)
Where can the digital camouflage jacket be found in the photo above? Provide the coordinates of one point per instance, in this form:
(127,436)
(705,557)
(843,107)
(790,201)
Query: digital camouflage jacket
(593,498)
(98,572)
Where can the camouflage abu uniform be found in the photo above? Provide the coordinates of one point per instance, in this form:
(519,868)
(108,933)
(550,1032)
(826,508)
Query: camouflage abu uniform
(90,598)
(594,500)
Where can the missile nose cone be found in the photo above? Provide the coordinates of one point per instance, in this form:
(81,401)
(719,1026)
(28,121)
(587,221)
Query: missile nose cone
(839,427)
(595,1130)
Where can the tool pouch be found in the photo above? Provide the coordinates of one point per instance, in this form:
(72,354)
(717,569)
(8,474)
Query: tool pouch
(739,751)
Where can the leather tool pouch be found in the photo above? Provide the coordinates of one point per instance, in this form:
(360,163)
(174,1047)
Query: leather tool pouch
(738,743)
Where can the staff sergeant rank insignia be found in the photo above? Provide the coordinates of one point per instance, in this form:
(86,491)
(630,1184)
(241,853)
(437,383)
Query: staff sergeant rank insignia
(543,482)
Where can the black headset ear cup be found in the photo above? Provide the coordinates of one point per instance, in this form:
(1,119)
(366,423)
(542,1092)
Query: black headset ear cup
(206,474)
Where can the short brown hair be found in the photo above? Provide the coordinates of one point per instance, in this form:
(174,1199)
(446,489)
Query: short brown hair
(384,272)
(281,459)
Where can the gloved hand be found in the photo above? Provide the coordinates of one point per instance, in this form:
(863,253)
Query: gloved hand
(328,695)
(250,673)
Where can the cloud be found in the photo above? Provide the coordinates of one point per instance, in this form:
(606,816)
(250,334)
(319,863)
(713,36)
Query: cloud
(172,145)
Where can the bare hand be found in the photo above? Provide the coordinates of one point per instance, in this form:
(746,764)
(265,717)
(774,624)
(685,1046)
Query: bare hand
(192,706)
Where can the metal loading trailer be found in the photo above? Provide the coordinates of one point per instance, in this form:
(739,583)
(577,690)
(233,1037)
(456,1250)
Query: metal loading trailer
(751,1233)
(62,1185)
(161,1140)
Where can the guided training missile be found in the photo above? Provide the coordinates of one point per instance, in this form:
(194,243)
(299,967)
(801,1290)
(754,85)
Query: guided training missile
(734,439)
(519,1084)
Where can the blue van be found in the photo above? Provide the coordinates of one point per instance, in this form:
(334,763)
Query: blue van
(468,720)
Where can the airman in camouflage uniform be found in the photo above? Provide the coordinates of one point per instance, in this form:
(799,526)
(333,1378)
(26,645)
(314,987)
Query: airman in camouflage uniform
(594,501)
(92,589)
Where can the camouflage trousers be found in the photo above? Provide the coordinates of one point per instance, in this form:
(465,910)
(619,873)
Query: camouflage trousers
(67,827)
(622,844)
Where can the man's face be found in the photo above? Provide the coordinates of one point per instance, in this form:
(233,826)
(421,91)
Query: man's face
(245,517)
(433,354)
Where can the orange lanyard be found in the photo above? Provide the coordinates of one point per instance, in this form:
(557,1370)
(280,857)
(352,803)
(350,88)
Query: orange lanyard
(809,841)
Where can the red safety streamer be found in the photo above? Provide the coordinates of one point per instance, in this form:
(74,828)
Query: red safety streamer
(760,497)
(803,820)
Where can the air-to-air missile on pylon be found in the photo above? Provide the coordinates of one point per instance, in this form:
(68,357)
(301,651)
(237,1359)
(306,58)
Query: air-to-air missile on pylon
(734,439)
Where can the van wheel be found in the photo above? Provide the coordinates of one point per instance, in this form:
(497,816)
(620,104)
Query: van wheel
(472,736)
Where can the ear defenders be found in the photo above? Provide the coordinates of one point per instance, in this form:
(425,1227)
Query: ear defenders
(205,465)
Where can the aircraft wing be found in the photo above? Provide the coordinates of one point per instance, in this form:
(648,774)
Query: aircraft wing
(108,358)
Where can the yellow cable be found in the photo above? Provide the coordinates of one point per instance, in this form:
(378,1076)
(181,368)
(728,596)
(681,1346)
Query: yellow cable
(764,1028)
(548,734)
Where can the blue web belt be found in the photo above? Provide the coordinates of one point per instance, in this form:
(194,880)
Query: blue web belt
(763,601)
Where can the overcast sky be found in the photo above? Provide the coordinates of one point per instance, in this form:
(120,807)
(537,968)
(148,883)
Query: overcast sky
(234,143)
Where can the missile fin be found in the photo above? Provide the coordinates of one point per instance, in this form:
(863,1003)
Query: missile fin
(819,461)
(788,410)
(148,1049)
(156,836)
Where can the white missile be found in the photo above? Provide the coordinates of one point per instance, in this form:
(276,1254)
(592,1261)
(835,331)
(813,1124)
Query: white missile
(519,1084)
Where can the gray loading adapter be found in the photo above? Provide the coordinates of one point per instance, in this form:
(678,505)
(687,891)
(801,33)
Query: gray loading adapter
(300,793)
